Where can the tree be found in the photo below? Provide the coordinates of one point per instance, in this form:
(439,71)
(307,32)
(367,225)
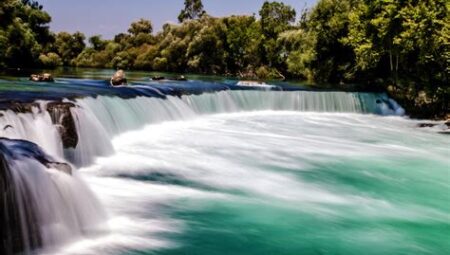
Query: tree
(97,43)
(50,59)
(141,26)
(24,32)
(242,39)
(206,51)
(400,35)
(193,9)
(275,18)
(323,54)
(69,46)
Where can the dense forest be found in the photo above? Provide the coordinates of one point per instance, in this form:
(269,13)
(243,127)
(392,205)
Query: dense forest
(399,46)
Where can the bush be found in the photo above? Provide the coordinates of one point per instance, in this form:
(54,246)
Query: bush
(51,60)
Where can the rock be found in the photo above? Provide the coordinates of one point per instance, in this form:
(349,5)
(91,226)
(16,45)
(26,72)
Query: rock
(63,120)
(61,117)
(34,77)
(158,78)
(424,125)
(63,167)
(23,107)
(181,78)
(44,77)
(444,127)
(119,78)
(178,78)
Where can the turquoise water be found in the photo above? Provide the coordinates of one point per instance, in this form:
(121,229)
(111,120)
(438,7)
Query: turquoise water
(276,183)
(242,172)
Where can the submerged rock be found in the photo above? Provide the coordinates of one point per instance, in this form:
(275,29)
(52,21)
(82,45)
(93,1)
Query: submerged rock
(441,128)
(179,78)
(119,78)
(44,77)
(158,78)
(63,167)
(424,125)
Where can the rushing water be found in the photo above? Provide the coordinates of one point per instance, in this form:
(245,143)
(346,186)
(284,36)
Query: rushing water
(255,172)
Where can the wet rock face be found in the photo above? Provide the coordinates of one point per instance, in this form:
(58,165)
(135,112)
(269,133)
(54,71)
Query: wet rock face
(62,167)
(63,119)
(23,107)
(60,114)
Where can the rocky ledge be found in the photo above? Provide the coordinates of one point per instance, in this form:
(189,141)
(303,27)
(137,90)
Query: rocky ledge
(60,113)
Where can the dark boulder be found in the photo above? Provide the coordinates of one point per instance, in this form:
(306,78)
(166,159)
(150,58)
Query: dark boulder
(62,167)
(179,78)
(158,78)
(64,121)
(425,125)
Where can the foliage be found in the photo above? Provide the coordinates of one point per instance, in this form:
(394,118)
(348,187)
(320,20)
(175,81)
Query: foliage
(398,46)
(69,46)
(23,32)
(50,59)
(192,9)
(141,26)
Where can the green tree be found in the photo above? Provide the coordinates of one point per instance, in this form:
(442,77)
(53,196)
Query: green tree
(276,17)
(50,60)
(141,26)
(243,37)
(24,32)
(206,51)
(97,43)
(325,57)
(69,46)
(193,9)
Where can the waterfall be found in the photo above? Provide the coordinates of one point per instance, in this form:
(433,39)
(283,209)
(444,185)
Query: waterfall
(44,203)
(52,207)
(99,119)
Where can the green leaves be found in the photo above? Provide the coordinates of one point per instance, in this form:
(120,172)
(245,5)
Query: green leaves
(193,9)
(23,32)
(141,26)
(276,18)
